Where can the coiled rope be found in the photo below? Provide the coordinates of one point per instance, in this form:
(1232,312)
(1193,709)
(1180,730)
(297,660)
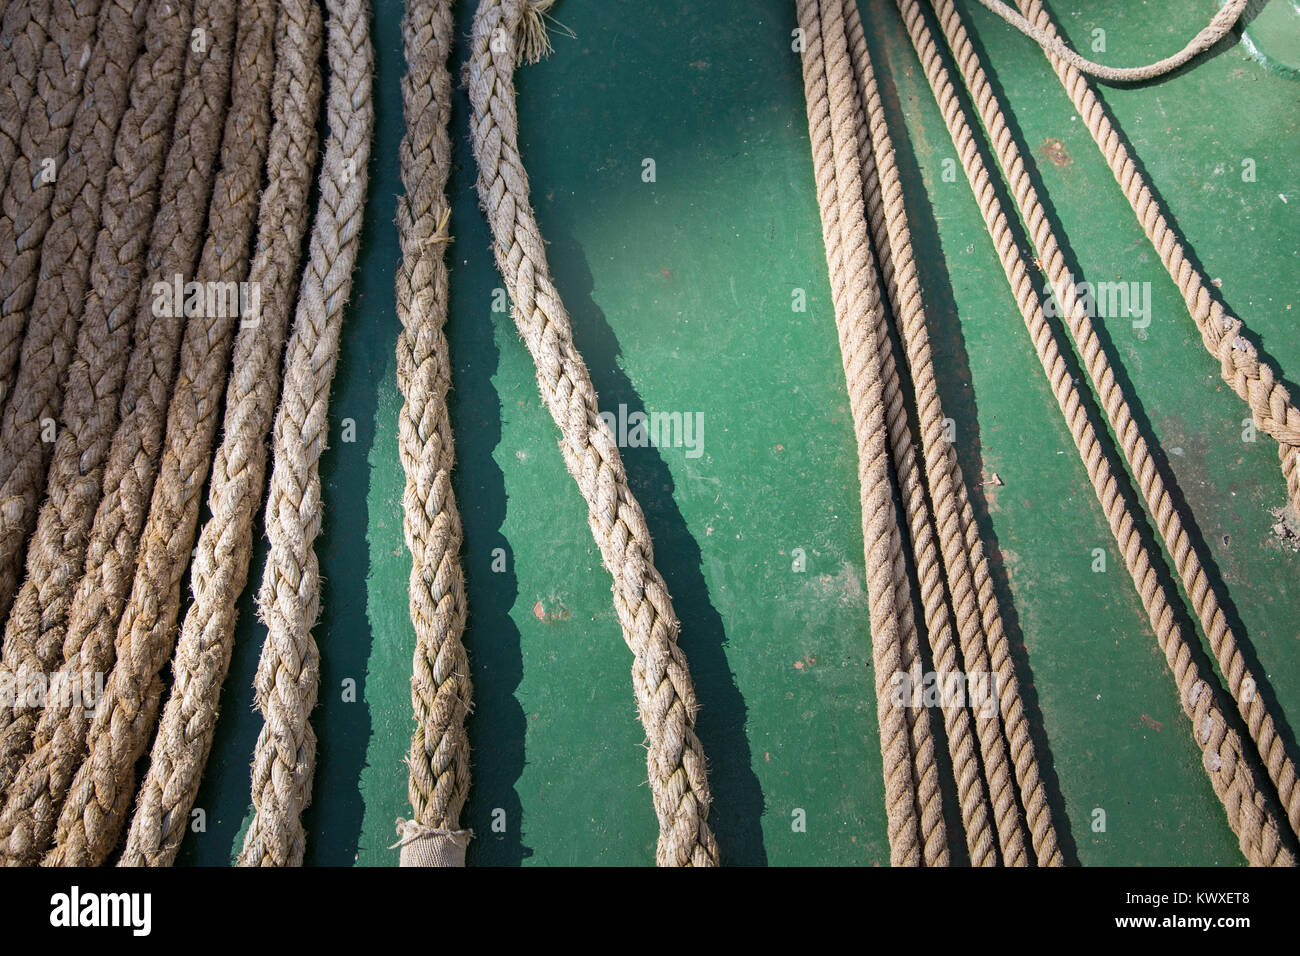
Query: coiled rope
(1249,813)
(289,599)
(506,32)
(440,685)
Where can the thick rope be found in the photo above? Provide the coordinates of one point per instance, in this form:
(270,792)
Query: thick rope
(26,197)
(92,817)
(661,679)
(101,596)
(60,282)
(35,629)
(1249,814)
(22,42)
(289,599)
(1219,26)
(1223,641)
(829,92)
(440,684)
(1251,373)
(221,560)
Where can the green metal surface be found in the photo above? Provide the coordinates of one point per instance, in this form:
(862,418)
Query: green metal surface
(681,293)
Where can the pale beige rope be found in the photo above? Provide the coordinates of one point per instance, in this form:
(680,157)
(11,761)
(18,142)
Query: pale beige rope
(1242,683)
(102,593)
(1219,26)
(829,93)
(440,685)
(1251,373)
(55,559)
(26,196)
(60,282)
(22,41)
(1249,813)
(221,560)
(289,599)
(661,679)
(98,799)
(888,221)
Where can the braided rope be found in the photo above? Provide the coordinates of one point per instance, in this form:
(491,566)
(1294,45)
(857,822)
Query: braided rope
(92,817)
(440,685)
(1249,814)
(828,89)
(100,597)
(221,561)
(60,282)
(24,33)
(661,679)
(35,629)
(289,599)
(26,200)
(1219,26)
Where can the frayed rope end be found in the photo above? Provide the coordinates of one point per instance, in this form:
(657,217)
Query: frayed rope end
(534,42)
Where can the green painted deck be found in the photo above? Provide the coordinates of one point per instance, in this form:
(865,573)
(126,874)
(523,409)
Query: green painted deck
(681,292)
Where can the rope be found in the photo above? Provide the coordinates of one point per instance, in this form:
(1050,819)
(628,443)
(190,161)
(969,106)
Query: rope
(25,202)
(1248,813)
(828,91)
(60,282)
(440,685)
(24,31)
(92,817)
(35,629)
(102,593)
(289,599)
(1250,373)
(664,692)
(221,561)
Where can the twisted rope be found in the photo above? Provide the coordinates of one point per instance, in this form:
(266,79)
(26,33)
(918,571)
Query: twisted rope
(99,599)
(440,685)
(1250,372)
(289,599)
(829,92)
(1249,814)
(221,560)
(92,817)
(35,629)
(1219,26)
(58,298)
(661,679)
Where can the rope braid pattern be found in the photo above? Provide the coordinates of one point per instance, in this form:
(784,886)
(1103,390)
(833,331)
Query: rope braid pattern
(1249,814)
(1223,641)
(828,86)
(221,560)
(1250,373)
(35,629)
(92,817)
(661,679)
(60,283)
(129,475)
(26,200)
(24,32)
(289,599)
(440,686)
(979,618)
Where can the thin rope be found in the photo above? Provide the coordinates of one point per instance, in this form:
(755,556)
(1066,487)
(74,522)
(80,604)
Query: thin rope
(828,88)
(289,600)
(1251,373)
(60,283)
(1249,814)
(661,679)
(221,560)
(1219,26)
(440,685)
(95,811)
